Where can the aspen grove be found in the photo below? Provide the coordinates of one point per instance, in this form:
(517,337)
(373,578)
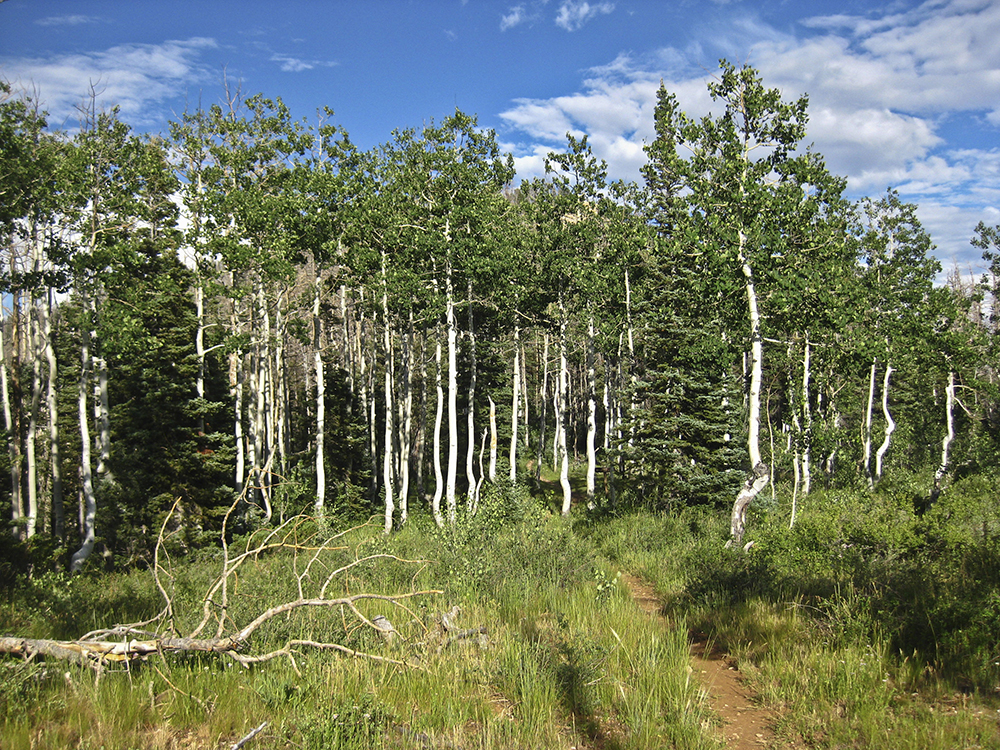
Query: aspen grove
(250,312)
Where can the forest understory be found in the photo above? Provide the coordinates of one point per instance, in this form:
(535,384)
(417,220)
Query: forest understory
(521,628)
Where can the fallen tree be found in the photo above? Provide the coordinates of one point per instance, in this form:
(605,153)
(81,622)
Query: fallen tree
(122,645)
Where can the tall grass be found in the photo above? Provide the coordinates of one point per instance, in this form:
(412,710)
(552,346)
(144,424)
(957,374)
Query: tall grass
(565,659)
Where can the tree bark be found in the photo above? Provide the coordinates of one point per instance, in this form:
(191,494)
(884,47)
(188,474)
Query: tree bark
(515,404)
(320,504)
(561,409)
(760,473)
(470,452)
(866,438)
(89,515)
(450,481)
(890,424)
(591,413)
(949,411)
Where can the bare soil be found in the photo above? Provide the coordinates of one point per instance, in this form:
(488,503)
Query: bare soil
(743,723)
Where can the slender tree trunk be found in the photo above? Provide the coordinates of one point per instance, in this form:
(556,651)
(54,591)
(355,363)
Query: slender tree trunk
(794,440)
(493,443)
(420,449)
(89,515)
(543,391)
(806,420)
(526,398)
(890,424)
(515,404)
(438,416)
(103,410)
(759,475)
(13,442)
(58,517)
(261,433)
(949,412)
(563,400)
(866,438)
(470,452)
(406,423)
(591,414)
(388,436)
(320,504)
(32,433)
(482,475)
(199,344)
(450,481)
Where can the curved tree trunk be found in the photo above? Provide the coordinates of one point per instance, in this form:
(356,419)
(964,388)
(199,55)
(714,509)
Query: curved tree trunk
(866,437)
(890,424)
(759,475)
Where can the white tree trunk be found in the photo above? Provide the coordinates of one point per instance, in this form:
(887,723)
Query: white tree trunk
(482,474)
(34,337)
(561,408)
(199,343)
(493,444)
(103,411)
(543,390)
(515,404)
(807,421)
(438,416)
(406,423)
(53,413)
(320,504)
(949,411)
(451,479)
(12,437)
(591,414)
(259,439)
(89,514)
(388,436)
(890,424)
(470,452)
(866,438)
(760,473)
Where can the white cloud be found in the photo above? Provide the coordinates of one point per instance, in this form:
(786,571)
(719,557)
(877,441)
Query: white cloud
(573,14)
(66,20)
(289,64)
(883,91)
(515,17)
(131,76)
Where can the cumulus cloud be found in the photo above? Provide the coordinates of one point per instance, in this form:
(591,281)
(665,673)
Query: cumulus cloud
(573,14)
(130,76)
(515,16)
(883,90)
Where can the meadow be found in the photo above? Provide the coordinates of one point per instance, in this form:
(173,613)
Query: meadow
(871,623)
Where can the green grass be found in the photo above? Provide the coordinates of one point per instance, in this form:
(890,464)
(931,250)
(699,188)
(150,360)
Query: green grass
(827,621)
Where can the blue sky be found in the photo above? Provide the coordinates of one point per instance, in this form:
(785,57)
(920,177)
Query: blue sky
(903,94)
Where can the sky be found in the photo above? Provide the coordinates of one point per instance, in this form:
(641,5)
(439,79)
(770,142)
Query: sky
(902,94)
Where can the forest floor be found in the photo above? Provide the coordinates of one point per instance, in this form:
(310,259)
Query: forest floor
(744,724)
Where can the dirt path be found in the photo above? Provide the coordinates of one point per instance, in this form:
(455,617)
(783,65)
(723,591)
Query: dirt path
(745,726)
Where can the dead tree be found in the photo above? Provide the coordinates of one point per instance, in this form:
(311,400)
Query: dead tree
(217,632)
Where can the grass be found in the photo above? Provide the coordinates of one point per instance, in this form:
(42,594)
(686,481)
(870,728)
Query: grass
(824,621)
(566,662)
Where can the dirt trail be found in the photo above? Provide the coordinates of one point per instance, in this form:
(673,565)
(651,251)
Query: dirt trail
(745,725)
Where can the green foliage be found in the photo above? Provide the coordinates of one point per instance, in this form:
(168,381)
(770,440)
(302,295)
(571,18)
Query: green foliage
(876,570)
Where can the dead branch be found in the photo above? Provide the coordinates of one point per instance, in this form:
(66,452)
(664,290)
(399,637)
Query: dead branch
(123,645)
